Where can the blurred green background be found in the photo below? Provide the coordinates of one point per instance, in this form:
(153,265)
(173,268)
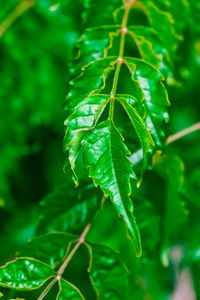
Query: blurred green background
(36,48)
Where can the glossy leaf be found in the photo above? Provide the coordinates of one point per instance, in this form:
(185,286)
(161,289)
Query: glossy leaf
(68,291)
(84,118)
(151,92)
(25,273)
(109,276)
(151,48)
(50,248)
(91,80)
(139,125)
(94,44)
(105,156)
(68,209)
(163,23)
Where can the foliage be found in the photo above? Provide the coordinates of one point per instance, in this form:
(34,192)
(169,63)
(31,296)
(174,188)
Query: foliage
(128,195)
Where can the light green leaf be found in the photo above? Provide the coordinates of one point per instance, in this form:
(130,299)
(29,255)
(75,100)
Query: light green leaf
(25,273)
(49,248)
(68,209)
(68,291)
(105,156)
(109,276)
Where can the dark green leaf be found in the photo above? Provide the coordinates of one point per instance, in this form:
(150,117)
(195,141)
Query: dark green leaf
(68,209)
(171,169)
(108,274)
(49,248)
(68,291)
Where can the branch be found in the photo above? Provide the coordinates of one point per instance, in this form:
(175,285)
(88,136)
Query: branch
(61,270)
(183,133)
(19,10)
(137,157)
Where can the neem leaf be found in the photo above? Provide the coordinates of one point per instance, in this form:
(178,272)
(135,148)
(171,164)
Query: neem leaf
(152,94)
(94,44)
(91,80)
(151,48)
(84,117)
(108,274)
(68,209)
(171,169)
(68,291)
(102,16)
(105,156)
(49,248)
(25,273)
(140,127)
(163,23)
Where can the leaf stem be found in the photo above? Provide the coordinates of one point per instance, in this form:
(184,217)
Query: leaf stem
(120,56)
(182,133)
(18,11)
(61,270)
(48,288)
(73,251)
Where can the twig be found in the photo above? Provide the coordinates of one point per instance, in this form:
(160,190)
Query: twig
(182,133)
(137,157)
(48,288)
(19,10)
(71,254)
(66,262)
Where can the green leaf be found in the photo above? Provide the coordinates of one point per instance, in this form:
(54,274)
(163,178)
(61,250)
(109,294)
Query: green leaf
(25,273)
(105,156)
(109,276)
(68,291)
(151,48)
(149,223)
(94,44)
(91,80)
(151,93)
(192,187)
(84,117)
(68,209)
(171,169)
(140,127)
(163,23)
(49,248)
(102,16)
